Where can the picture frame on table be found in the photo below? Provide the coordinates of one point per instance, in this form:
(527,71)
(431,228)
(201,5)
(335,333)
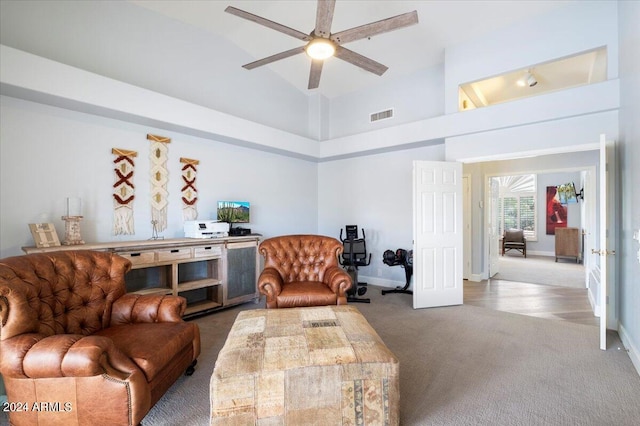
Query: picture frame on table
(44,235)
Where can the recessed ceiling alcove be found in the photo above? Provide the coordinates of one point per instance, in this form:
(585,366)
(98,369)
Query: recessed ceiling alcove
(577,70)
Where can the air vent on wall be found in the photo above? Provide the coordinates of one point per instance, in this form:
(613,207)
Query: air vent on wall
(382,115)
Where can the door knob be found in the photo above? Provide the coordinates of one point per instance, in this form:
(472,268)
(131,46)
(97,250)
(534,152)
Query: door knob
(603,252)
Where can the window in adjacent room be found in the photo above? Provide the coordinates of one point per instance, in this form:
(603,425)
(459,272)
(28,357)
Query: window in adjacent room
(517,204)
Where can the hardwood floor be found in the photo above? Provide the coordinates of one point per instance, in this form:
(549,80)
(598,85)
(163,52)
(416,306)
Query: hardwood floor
(543,301)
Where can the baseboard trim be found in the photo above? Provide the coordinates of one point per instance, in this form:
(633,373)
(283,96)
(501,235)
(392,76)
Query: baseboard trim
(633,352)
(541,253)
(475,278)
(381,282)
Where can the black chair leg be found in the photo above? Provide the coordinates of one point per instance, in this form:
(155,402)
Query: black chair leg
(191,369)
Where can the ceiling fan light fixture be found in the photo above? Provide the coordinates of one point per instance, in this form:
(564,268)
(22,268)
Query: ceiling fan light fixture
(320,42)
(320,48)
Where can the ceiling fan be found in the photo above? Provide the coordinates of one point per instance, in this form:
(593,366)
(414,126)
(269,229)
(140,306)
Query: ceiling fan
(322,44)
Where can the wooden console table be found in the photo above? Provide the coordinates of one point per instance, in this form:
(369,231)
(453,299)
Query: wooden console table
(210,273)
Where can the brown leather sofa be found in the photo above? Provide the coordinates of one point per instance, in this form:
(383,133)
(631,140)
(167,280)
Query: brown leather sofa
(302,270)
(73,342)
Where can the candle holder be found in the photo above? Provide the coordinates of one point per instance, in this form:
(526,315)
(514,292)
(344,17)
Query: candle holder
(72,235)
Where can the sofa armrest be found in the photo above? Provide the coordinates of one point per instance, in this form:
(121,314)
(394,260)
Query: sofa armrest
(136,308)
(338,280)
(35,356)
(270,283)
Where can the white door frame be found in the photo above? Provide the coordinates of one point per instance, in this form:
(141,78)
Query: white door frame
(467,217)
(607,243)
(491,225)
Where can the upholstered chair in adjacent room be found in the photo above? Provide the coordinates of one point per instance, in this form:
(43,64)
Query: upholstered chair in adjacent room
(303,270)
(513,239)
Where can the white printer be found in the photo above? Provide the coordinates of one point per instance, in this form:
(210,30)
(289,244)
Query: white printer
(205,229)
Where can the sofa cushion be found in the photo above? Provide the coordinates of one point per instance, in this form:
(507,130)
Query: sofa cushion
(151,346)
(306,293)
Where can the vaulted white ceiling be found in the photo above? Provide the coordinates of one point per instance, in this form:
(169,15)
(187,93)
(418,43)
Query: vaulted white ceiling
(404,51)
(185,48)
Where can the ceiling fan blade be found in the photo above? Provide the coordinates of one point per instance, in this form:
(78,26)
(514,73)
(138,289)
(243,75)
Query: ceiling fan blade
(324,17)
(314,75)
(273,58)
(375,28)
(360,61)
(267,23)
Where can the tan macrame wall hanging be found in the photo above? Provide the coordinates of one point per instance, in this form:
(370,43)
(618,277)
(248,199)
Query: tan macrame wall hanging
(123,191)
(159,177)
(189,191)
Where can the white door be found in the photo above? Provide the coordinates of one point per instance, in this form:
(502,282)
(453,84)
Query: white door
(607,236)
(437,234)
(494,229)
(466,215)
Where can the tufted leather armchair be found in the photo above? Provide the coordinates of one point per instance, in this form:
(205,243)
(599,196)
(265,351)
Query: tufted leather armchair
(69,335)
(302,270)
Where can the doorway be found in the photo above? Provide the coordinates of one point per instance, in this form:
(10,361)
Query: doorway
(521,201)
(584,163)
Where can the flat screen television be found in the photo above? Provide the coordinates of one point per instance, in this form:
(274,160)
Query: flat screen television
(234,211)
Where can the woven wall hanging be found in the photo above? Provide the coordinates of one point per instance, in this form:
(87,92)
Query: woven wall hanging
(159,177)
(189,191)
(123,191)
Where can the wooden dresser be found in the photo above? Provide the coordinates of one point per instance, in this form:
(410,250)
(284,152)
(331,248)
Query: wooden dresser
(568,243)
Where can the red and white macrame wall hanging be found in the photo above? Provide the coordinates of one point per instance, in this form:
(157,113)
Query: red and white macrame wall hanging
(159,177)
(189,191)
(123,191)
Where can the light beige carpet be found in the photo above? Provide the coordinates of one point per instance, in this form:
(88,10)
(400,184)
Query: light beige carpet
(541,270)
(462,365)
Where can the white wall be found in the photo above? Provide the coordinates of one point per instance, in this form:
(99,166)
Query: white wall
(375,193)
(577,27)
(563,32)
(629,166)
(413,97)
(574,133)
(49,154)
(61,85)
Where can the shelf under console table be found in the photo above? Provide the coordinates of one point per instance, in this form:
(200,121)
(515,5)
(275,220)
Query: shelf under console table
(210,273)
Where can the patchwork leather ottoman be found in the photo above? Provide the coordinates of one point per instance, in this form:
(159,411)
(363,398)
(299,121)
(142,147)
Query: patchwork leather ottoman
(318,365)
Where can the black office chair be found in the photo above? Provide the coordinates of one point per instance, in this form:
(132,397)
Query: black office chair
(353,256)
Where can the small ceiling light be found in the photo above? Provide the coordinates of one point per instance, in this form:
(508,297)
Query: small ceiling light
(320,48)
(531,80)
(527,80)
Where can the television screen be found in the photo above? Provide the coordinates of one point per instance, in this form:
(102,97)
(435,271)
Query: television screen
(233,211)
